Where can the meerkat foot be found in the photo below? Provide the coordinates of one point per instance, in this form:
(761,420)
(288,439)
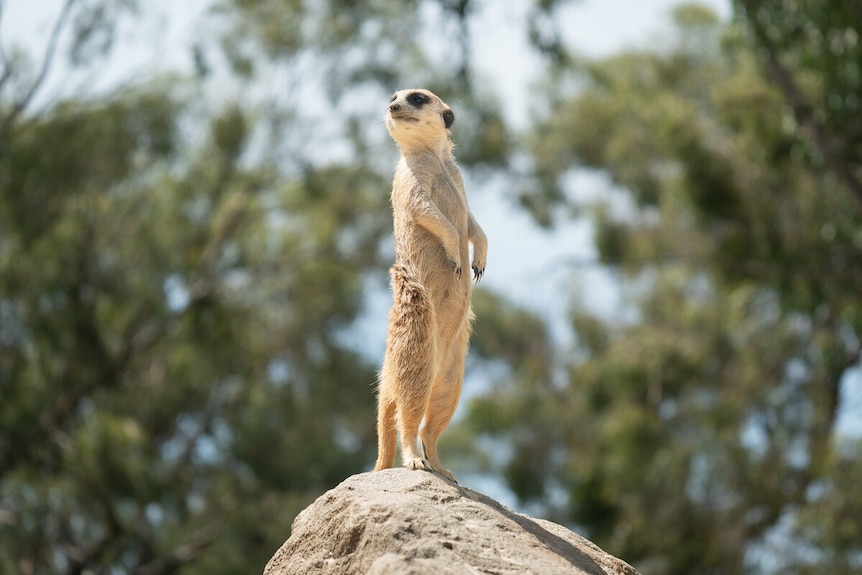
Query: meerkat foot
(418,463)
(447,474)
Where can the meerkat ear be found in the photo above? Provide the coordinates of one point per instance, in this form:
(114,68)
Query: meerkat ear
(448,118)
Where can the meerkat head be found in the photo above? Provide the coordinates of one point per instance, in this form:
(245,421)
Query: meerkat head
(419,118)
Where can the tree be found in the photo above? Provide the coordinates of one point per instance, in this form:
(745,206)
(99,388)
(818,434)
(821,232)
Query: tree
(182,264)
(699,433)
(810,52)
(174,384)
(183,261)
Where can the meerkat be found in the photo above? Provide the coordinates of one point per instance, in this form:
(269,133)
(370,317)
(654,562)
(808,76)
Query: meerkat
(431,317)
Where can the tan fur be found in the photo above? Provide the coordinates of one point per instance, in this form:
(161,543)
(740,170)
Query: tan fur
(430,320)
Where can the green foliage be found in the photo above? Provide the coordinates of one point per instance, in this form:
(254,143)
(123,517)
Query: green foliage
(161,333)
(520,340)
(812,53)
(683,439)
(174,386)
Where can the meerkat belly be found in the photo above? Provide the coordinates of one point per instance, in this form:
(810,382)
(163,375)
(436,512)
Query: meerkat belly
(449,293)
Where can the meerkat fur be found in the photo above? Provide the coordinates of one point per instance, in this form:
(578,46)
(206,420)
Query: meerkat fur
(431,317)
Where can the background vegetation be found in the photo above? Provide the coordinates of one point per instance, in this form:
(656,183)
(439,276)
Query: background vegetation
(185,261)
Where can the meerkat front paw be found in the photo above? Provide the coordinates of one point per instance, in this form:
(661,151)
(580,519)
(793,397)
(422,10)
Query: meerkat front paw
(478,272)
(417,463)
(456,267)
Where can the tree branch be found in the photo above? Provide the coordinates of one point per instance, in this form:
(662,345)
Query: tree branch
(803,111)
(804,114)
(4,61)
(180,556)
(47,60)
(80,559)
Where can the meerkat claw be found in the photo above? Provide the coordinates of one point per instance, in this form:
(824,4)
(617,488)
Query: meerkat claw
(417,463)
(477,274)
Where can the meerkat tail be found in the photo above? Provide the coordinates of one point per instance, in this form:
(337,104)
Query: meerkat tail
(408,367)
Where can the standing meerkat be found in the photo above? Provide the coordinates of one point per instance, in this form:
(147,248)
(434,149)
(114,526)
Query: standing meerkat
(430,320)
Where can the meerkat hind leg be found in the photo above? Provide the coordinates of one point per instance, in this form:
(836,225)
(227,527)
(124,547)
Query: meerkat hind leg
(410,417)
(442,404)
(438,467)
(387,431)
(441,408)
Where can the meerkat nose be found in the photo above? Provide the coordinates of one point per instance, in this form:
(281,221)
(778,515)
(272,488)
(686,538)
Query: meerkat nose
(394,107)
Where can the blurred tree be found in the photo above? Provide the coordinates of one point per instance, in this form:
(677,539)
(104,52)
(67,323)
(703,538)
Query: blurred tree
(170,338)
(699,435)
(180,272)
(811,52)
(174,384)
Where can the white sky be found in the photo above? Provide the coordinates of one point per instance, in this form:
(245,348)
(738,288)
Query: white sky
(160,37)
(592,27)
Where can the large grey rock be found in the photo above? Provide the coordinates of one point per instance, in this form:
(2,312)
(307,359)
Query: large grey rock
(402,522)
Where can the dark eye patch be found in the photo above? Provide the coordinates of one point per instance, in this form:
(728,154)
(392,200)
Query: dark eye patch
(418,99)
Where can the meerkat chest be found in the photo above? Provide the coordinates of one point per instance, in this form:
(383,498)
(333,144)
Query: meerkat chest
(448,196)
(428,179)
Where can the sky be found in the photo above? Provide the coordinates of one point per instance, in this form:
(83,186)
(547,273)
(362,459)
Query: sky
(161,36)
(593,28)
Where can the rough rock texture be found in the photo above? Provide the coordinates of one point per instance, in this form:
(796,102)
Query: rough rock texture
(402,522)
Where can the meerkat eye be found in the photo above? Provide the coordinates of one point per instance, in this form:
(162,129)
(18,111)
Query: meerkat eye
(418,99)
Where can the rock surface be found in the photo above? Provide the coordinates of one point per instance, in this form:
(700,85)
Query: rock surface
(402,522)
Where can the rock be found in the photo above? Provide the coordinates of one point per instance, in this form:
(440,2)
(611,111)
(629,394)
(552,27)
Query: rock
(403,522)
